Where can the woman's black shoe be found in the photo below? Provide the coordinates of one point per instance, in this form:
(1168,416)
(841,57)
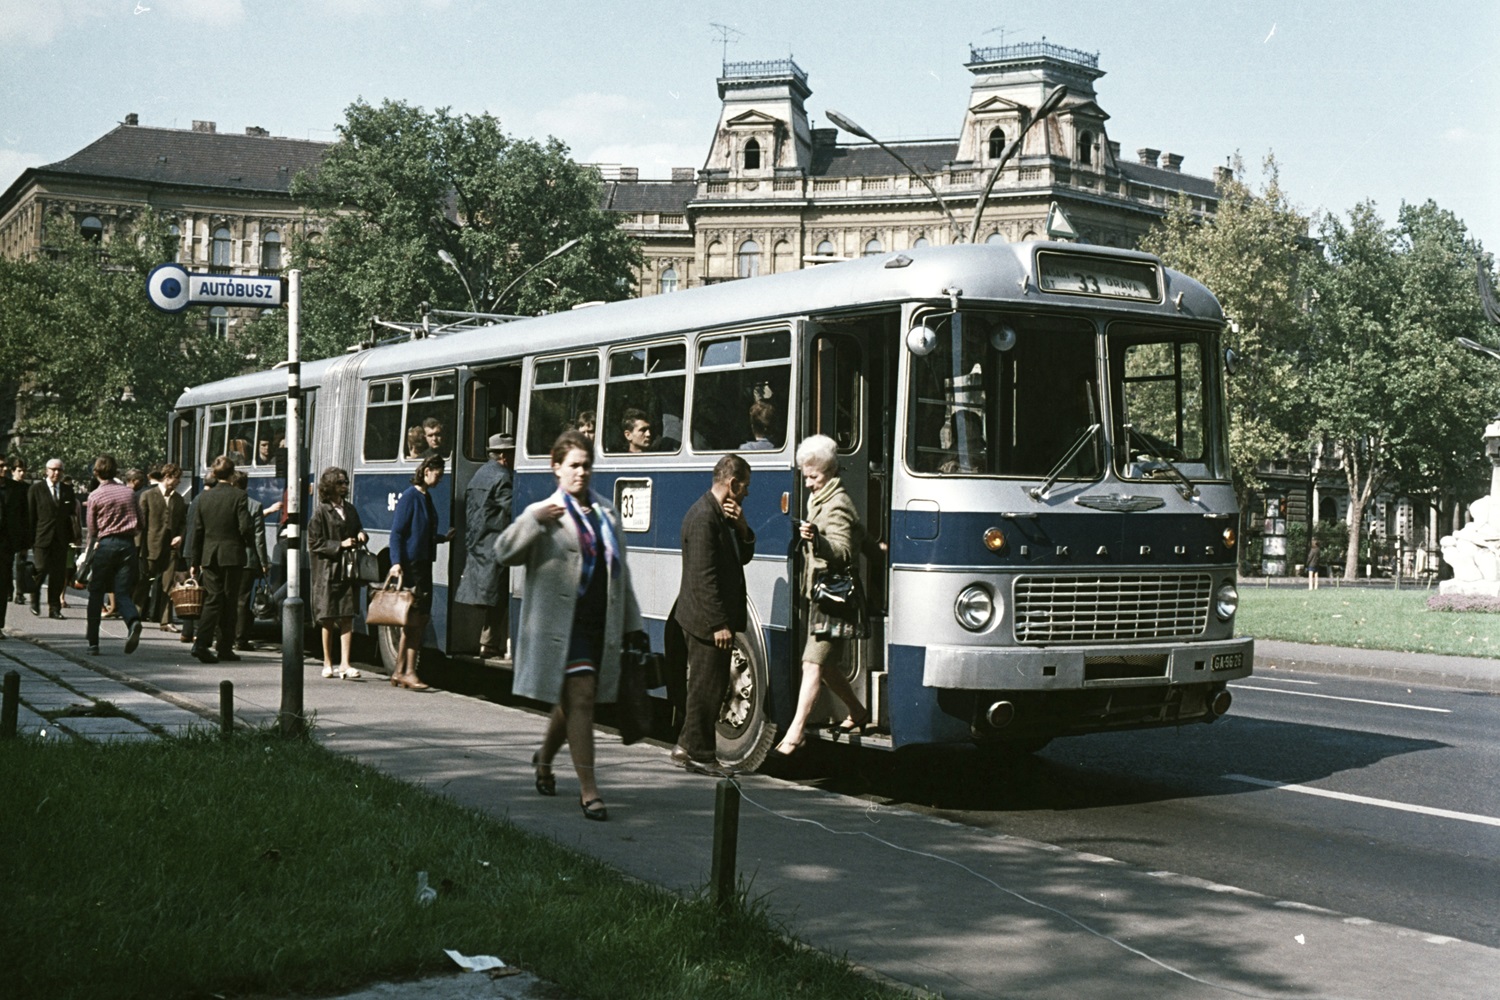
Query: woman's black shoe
(546,784)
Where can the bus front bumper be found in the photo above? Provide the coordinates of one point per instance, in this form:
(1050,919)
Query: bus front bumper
(1075,668)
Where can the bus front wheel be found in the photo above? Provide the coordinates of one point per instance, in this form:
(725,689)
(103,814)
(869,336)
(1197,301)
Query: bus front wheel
(745,731)
(388,640)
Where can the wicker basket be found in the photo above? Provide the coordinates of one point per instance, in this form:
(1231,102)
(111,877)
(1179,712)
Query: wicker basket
(187,598)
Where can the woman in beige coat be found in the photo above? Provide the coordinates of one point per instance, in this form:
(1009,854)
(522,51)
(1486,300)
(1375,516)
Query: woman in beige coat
(833,538)
(576,610)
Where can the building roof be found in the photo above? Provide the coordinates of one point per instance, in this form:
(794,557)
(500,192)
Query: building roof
(191,158)
(648,196)
(869,160)
(1143,173)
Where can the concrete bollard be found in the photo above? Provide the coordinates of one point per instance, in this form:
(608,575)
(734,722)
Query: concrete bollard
(726,842)
(226,709)
(11,706)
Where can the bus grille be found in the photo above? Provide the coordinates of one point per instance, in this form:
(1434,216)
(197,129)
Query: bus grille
(1092,609)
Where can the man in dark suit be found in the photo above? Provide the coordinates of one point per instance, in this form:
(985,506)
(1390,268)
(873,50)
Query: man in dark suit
(711,605)
(163,521)
(54,527)
(15,531)
(219,532)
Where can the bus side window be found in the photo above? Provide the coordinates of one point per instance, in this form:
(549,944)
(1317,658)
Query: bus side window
(838,388)
(383,437)
(740,392)
(564,396)
(431,409)
(218,417)
(645,384)
(271,430)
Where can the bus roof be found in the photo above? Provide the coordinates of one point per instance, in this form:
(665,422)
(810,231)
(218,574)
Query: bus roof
(984,273)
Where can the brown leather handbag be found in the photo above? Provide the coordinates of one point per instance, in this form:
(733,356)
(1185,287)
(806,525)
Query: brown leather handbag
(392,604)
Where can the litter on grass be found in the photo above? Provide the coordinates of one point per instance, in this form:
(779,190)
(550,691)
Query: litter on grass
(474,963)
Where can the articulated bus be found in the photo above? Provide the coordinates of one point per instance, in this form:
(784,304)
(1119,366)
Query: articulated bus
(1036,431)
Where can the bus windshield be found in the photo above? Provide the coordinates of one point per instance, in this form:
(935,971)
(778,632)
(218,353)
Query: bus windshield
(1161,421)
(1005,394)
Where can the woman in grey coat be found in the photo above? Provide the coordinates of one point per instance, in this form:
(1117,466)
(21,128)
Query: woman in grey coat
(833,538)
(334,529)
(577,608)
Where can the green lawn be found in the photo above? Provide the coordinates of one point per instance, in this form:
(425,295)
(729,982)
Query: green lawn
(196,868)
(1366,618)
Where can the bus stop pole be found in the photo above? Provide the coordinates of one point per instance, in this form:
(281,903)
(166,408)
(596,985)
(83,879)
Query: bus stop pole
(290,719)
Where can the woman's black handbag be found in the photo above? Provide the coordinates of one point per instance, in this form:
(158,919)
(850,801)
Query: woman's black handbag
(640,671)
(262,601)
(360,565)
(838,607)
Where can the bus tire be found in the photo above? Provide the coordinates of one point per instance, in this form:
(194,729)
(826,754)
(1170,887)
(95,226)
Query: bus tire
(745,733)
(388,641)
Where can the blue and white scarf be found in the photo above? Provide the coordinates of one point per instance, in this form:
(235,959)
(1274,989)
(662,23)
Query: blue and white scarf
(589,542)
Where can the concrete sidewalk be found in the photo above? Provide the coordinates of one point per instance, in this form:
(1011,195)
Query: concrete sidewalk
(923,901)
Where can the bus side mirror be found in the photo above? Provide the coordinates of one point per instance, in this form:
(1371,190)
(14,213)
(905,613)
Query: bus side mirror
(1231,360)
(921,340)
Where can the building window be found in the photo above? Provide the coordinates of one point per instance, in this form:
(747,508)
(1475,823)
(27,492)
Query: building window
(219,258)
(921,241)
(995,238)
(270,251)
(872,248)
(173,247)
(825,249)
(668,282)
(747,263)
(91,229)
(997,143)
(752,155)
(717,265)
(781,257)
(218,322)
(1086,148)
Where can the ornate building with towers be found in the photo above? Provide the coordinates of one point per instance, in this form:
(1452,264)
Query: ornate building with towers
(776,193)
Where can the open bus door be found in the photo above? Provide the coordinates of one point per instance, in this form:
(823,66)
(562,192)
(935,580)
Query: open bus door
(849,395)
(491,398)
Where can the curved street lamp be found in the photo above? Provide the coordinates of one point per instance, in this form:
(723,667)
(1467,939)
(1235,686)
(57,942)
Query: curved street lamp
(556,253)
(848,125)
(447,258)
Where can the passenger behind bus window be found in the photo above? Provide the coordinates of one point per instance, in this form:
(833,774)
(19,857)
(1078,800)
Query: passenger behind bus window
(637,429)
(263,452)
(432,435)
(416,442)
(763,423)
(585,424)
(238,451)
(962,441)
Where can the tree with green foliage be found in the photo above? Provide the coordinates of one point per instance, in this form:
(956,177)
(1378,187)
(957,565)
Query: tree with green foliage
(1388,388)
(1253,254)
(403,189)
(98,368)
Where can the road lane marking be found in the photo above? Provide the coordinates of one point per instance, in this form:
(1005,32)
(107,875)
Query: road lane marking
(1366,800)
(1286,680)
(1334,697)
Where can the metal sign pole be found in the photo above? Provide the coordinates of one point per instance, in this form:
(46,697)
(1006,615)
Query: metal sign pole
(290,720)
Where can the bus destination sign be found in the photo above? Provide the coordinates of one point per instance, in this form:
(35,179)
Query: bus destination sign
(1104,277)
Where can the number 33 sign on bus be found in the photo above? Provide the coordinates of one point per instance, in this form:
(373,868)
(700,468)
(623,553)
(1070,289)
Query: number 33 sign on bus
(171,288)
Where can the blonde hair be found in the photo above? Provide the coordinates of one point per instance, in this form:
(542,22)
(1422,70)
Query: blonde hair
(821,451)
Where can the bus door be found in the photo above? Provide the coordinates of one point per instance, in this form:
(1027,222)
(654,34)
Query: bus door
(490,401)
(849,396)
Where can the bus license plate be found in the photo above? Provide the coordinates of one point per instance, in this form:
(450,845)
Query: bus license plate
(1229,661)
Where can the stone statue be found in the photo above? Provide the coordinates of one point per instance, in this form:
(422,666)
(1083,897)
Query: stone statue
(1474,550)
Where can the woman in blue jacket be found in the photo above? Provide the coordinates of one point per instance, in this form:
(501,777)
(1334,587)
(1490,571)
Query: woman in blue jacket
(414,542)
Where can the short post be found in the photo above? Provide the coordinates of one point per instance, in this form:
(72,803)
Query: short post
(11,706)
(226,709)
(726,842)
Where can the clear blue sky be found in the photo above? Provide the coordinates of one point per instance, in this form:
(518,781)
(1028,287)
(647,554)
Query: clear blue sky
(1358,100)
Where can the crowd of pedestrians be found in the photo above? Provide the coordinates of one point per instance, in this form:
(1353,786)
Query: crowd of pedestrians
(139,537)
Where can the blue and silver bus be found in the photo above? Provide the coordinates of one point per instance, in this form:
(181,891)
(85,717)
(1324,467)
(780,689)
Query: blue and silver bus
(1036,431)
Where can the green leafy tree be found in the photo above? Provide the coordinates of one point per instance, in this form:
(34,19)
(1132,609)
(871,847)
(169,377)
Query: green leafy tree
(97,368)
(1401,404)
(403,187)
(1253,254)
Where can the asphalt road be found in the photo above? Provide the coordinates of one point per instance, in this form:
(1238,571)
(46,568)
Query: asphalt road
(1410,834)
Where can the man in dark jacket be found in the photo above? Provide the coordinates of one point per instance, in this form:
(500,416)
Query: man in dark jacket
(53,516)
(486,582)
(711,605)
(15,529)
(219,532)
(163,521)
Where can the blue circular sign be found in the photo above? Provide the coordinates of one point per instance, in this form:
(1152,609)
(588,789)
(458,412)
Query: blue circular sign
(167,287)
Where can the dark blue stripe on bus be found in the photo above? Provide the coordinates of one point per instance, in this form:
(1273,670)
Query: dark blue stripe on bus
(375,495)
(956,538)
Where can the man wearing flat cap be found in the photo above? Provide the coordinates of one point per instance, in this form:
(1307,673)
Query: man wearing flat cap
(485,581)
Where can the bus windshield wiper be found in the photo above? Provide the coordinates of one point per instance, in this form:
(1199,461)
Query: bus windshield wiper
(1162,464)
(1039,493)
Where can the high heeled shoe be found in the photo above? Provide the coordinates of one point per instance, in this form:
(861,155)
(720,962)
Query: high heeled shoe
(796,748)
(851,728)
(546,784)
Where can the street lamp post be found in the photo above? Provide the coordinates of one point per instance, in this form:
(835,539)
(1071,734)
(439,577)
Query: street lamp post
(848,125)
(1049,104)
(447,258)
(556,253)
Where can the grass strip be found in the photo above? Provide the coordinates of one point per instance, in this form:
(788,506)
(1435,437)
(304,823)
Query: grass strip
(1365,618)
(196,867)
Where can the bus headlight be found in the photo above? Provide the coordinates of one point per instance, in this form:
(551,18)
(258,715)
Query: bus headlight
(975,607)
(1226,602)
